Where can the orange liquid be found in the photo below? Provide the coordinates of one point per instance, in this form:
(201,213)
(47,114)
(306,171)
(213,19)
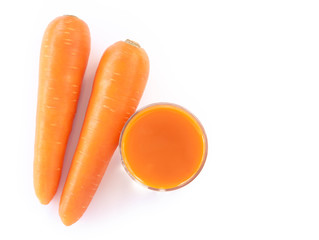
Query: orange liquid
(163,146)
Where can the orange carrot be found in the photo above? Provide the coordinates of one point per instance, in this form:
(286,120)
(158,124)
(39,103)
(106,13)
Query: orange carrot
(63,59)
(118,86)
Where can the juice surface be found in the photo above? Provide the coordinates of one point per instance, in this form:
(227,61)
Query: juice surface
(163,146)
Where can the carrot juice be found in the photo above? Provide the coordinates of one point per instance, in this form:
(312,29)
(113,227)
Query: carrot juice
(163,146)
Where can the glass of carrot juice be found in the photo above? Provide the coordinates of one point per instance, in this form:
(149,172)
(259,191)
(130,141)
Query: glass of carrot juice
(163,146)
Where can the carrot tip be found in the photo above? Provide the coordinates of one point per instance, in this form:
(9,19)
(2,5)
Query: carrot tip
(67,221)
(135,44)
(44,201)
(43,197)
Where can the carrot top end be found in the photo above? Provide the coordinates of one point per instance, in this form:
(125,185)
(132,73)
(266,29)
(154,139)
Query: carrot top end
(133,43)
(70,15)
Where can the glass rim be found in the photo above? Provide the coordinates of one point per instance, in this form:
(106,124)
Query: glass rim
(205,144)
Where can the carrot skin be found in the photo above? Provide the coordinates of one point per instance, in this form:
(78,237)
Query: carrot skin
(117,89)
(63,59)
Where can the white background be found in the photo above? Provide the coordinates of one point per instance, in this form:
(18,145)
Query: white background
(249,70)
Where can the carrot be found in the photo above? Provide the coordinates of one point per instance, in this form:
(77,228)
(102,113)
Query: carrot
(63,59)
(118,86)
